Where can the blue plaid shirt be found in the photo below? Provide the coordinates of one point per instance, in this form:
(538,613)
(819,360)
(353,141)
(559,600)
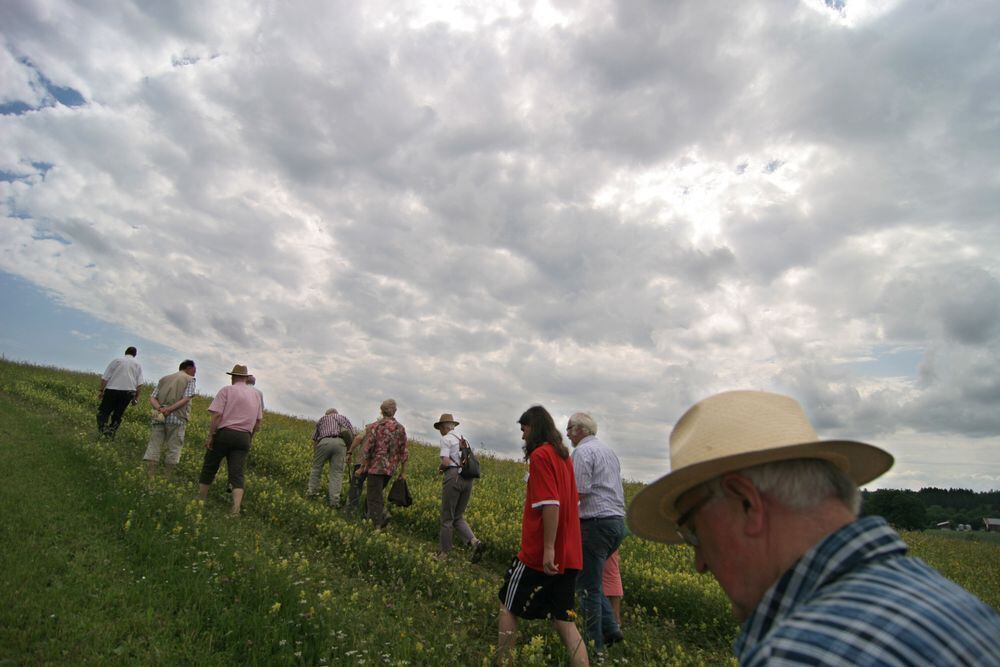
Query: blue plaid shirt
(856,598)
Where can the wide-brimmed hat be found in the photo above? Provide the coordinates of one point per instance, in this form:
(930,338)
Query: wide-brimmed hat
(446,418)
(736,430)
(239,370)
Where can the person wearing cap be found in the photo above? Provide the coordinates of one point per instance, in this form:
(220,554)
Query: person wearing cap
(540,582)
(385,454)
(772,512)
(119,388)
(331,437)
(602,524)
(171,400)
(236,416)
(456,491)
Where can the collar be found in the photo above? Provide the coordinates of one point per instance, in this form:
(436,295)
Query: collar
(865,540)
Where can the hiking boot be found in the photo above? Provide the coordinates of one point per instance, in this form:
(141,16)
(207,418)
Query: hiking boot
(477,551)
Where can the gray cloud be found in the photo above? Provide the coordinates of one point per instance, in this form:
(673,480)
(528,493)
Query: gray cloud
(621,208)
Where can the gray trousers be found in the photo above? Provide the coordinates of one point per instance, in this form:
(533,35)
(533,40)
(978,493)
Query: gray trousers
(333,450)
(455,494)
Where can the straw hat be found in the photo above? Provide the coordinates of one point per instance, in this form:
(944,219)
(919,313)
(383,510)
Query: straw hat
(445,418)
(239,370)
(736,430)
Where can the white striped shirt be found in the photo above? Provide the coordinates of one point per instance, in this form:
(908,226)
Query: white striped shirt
(598,479)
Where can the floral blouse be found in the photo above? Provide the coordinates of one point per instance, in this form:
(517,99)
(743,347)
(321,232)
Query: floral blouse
(386,448)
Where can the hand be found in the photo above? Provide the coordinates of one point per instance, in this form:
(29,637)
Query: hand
(208,443)
(548,561)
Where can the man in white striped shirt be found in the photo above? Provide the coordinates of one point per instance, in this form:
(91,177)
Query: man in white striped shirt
(602,524)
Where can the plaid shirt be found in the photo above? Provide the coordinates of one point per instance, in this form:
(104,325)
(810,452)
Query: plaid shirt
(856,598)
(330,426)
(172,418)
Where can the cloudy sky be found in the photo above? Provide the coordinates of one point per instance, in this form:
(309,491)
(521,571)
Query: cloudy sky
(474,206)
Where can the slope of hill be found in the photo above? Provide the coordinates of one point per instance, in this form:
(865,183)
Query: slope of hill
(291,581)
(106,565)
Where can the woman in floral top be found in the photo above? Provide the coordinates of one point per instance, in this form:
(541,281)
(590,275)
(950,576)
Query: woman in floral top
(386,452)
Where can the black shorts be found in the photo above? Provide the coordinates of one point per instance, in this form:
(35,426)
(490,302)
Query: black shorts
(528,593)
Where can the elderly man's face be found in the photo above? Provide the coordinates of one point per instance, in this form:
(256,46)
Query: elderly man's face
(574,433)
(723,549)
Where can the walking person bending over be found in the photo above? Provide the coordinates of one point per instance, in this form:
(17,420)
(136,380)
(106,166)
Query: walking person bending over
(772,512)
(455,492)
(236,416)
(602,524)
(356,479)
(542,577)
(385,454)
(172,401)
(331,438)
(119,388)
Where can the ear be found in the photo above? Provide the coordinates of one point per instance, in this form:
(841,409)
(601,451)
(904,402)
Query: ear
(753,505)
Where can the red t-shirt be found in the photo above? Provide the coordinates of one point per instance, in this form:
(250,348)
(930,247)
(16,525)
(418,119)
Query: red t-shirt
(551,482)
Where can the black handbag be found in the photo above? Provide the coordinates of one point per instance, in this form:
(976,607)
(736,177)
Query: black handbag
(399,493)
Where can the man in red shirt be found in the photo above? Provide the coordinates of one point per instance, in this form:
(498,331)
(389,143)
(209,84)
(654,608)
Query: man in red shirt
(542,577)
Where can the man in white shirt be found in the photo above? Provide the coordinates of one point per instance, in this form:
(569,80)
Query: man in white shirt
(602,524)
(455,493)
(119,387)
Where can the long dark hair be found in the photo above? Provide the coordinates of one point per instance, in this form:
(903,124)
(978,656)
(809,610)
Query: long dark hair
(543,430)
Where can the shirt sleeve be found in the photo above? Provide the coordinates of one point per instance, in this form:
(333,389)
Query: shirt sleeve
(138,376)
(583,467)
(109,371)
(189,389)
(219,402)
(542,487)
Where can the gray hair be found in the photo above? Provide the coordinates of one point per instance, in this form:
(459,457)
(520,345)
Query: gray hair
(584,421)
(800,484)
(331,411)
(388,407)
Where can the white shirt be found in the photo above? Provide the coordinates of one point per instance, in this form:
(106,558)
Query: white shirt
(598,479)
(451,446)
(124,374)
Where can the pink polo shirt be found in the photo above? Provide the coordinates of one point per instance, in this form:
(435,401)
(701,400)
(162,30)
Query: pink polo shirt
(240,406)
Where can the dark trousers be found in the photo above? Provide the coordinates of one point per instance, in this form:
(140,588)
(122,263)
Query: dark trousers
(354,489)
(234,447)
(114,402)
(376,499)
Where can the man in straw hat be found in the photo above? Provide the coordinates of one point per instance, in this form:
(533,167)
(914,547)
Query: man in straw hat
(456,491)
(236,416)
(772,512)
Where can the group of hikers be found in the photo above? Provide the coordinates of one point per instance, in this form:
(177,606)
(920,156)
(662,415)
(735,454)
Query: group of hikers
(769,508)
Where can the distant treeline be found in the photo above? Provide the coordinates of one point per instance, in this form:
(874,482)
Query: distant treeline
(926,508)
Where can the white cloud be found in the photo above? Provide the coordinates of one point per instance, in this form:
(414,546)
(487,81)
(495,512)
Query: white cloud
(616,207)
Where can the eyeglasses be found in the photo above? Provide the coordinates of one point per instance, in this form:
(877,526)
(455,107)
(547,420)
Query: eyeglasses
(684,531)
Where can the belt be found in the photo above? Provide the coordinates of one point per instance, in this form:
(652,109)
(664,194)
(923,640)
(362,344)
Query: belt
(602,518)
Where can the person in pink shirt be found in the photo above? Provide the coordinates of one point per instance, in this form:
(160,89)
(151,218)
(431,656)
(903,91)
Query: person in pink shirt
(236,415)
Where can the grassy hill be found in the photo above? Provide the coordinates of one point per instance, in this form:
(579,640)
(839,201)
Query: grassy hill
(103,565)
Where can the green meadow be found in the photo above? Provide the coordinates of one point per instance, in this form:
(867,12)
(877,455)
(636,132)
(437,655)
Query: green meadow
(102,565)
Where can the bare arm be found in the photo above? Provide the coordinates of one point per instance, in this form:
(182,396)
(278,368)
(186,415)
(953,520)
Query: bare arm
(212,428)
(550,526)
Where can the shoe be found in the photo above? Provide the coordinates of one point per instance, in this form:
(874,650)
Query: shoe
(477,551)
(440,556)
(614,637)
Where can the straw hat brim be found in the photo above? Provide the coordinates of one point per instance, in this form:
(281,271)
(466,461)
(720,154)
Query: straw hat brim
(652,513)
